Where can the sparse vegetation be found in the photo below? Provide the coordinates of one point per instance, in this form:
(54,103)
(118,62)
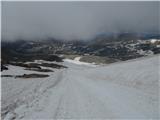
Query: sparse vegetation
(97,59)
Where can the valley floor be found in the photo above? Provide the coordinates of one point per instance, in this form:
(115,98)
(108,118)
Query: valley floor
(126,90)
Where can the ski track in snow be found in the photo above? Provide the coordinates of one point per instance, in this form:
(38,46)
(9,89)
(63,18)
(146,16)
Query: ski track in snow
(127,90)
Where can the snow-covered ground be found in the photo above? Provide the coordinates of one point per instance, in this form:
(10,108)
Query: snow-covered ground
(125,90)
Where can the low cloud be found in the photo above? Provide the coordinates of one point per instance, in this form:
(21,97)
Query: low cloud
(76,20)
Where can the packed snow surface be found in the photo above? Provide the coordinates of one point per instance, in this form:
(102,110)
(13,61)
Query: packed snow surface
(124,90)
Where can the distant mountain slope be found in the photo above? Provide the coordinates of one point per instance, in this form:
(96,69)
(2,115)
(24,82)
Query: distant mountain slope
(121,46)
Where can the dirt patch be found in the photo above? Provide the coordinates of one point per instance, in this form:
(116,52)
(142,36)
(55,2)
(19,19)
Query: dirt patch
(37,65)
(26,65)
(32,76)
(52,65)
(7,75)
(39,70)
(27,76)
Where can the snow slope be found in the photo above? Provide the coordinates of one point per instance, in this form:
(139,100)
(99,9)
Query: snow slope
(125,90)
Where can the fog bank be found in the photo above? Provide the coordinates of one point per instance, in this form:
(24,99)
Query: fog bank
(76,20)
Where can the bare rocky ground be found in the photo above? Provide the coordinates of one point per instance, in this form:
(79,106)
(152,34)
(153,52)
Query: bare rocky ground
(92,59)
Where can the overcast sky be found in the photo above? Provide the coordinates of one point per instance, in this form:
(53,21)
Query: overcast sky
(76,20)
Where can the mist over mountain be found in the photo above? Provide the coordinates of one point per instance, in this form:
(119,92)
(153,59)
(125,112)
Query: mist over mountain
(77,20)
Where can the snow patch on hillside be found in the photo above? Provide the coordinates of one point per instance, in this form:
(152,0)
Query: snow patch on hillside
(77,58)
(76,61)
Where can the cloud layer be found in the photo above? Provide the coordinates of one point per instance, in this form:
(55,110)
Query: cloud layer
(76,20)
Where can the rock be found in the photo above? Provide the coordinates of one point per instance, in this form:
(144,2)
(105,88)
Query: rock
(3,68)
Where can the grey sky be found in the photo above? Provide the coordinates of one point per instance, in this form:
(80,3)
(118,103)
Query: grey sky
(76,20)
